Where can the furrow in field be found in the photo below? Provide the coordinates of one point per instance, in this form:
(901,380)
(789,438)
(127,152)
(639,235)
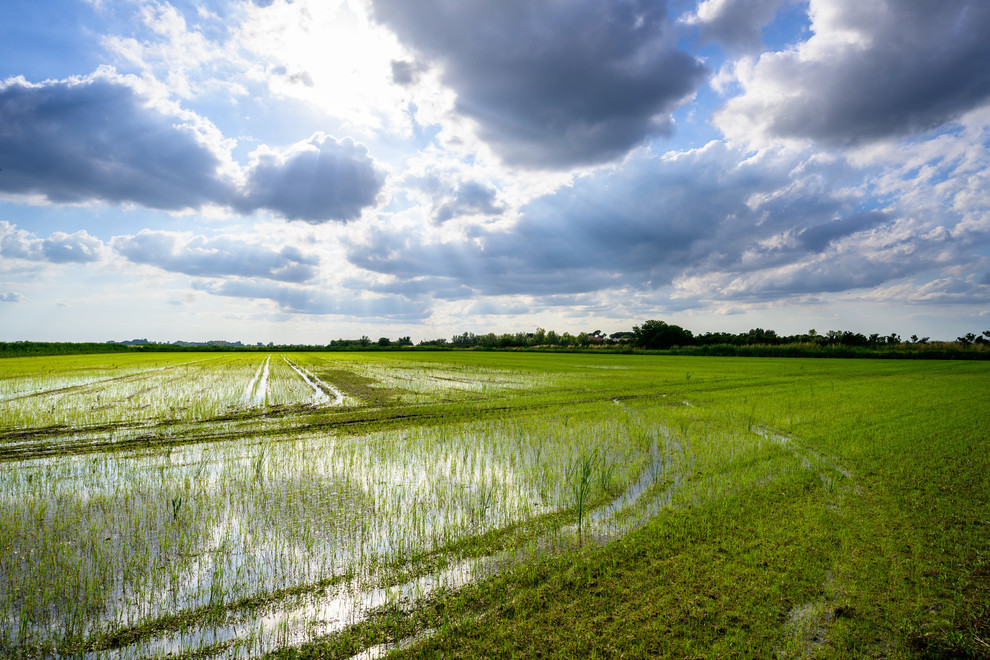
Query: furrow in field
(321,389)
(257,389)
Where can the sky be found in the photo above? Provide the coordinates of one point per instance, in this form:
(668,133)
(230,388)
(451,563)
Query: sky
(306,170)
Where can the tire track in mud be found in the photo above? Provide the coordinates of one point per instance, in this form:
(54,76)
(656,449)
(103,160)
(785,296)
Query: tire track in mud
(808,623)
(810,459)
(321,389)
(24,444)
(256,392)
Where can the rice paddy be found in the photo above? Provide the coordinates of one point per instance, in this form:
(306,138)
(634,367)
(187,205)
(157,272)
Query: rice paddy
(465,504)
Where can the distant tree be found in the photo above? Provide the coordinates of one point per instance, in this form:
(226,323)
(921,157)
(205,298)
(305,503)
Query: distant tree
(967,339)
(759,336)
(384,341)
(660,335)
(404,341)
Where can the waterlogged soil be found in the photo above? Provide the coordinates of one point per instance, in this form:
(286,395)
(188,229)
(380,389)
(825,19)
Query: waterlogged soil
(420,504)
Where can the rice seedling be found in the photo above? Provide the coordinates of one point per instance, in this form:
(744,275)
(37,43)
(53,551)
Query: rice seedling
(247,503)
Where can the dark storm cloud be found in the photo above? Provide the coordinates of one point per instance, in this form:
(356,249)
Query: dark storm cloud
(913,65)
(319,180)
(553,84)
(101,139)
(204,257)
(302,300)
(59,248)
(98,139)
(736,24)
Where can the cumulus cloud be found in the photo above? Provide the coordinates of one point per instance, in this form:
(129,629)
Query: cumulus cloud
(712,223)
(641,226)
(553,84)
(316,180)
(213,257)
(884,254)
(470,198)
(817,237)
(11,297)
(451,198)
(58,248)
(306,300)
(942,291)
(870,70)
(736,24)
(102,138)
(405,73)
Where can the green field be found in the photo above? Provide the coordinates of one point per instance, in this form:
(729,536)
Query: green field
(473,504)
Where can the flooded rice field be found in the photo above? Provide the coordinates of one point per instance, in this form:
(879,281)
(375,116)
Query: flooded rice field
(233,505)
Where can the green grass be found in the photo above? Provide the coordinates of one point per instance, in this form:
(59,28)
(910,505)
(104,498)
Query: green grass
(822,508)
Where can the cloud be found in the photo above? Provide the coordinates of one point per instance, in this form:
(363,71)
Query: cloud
(885,253)
(711,224)
(11,297)
(405,73)
(640,225)
(100,138)
(817,237)
(736,24)
(871,70)
(316,180)
(941,291)
(470,198)
(103,138)
(553,84)
(58,248)
(206,257)
(451,198)
(304,300)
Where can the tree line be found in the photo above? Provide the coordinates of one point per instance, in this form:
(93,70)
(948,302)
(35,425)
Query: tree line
(660,335)
(653,335)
